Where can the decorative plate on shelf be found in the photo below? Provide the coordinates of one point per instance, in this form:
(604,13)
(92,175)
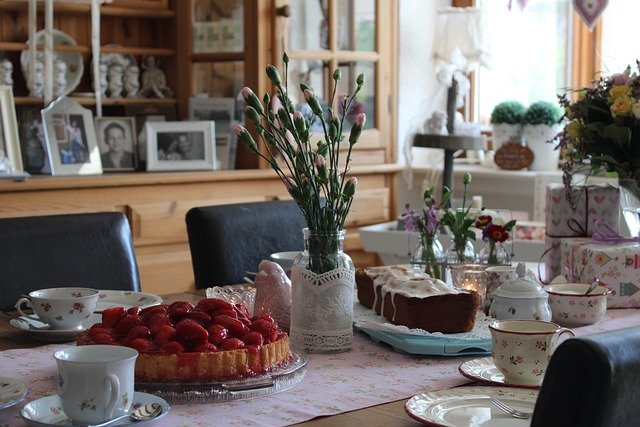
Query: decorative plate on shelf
(73,60)
(470,406)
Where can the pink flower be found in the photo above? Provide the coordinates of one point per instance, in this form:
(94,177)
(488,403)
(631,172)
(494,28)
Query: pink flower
(308,94)
(361,118)
(246,92)
(239,129)
(320,161)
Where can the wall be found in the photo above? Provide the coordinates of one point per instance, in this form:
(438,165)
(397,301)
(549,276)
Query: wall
(419,93)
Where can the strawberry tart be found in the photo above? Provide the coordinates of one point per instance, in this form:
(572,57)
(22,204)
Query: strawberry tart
(214,340)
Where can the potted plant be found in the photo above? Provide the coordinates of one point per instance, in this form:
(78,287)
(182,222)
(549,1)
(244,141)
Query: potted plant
(506,121)
(541,123)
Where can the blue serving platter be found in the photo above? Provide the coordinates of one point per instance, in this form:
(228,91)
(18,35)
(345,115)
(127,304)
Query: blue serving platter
(430,345)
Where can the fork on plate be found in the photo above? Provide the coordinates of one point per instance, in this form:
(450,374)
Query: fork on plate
(511,411)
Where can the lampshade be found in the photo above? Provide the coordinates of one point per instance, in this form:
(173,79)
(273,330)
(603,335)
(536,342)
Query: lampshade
(460,38)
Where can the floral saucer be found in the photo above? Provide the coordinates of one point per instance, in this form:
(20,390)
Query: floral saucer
(11,392)
(485,371)
(43,332)
(47,411)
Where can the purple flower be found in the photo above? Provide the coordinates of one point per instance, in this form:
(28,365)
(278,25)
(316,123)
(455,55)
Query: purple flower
(431,216)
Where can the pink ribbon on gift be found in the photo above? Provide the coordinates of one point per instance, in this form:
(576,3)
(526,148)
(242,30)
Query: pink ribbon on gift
(605,234)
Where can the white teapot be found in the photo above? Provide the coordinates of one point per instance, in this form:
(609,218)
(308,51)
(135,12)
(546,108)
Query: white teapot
(520,298)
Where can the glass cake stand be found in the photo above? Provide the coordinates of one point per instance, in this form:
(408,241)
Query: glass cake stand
(279,379)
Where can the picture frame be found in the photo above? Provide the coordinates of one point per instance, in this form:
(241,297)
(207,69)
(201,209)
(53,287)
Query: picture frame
(10,157)
(180,145)
(143,114)
(33,144)
(71,138)
(117,141)
(223,150)
(223,111)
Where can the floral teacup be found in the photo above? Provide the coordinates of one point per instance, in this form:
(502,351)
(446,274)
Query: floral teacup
(521,349)
(571,307)
(62,308)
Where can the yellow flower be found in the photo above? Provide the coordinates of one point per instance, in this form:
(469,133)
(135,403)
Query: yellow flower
(574,129)
(619,91)
(622,106)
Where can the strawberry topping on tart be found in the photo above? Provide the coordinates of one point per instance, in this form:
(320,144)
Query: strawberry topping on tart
(213,340)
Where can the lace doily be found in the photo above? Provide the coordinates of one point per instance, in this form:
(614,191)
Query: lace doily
(368,319)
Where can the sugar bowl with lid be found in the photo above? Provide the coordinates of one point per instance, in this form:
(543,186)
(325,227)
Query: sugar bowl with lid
(521,298)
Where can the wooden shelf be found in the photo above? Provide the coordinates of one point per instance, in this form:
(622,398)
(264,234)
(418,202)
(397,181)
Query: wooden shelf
(27,100)
(17,47)
(126,12)
(216,56)
(140,51)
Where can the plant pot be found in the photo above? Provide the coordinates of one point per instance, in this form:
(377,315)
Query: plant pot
(505,132)
(538,139)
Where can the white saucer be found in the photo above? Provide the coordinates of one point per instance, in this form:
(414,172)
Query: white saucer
(470,406)
(126,299)
(485,371)
(43,331)
(11,392)
(47,411)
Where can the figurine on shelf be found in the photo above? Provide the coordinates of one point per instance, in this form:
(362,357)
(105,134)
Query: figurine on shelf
(6,70)
(154,82)
(103,70)
(35,81)
(115,81)
(59,78)
(131,81)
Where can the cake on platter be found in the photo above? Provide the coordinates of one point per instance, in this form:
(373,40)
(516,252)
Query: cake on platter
(212,341)
(416,300)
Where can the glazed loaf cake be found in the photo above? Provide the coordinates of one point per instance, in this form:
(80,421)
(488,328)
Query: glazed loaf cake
(416,300)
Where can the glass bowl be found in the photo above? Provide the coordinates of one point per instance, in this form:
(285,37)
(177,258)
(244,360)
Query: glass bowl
(234,294)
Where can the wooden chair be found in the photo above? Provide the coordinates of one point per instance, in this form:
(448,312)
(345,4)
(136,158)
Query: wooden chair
(93,250)
(226,241)
(592,381)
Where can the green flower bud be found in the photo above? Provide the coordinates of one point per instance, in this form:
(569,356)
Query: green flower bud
(285,58)
(337,74)
(360,79)
(274,75)
(350,187)
(467,178)
(252,114)
(323,149)
(304,87)
(251,99)
(266,99)
(246,138)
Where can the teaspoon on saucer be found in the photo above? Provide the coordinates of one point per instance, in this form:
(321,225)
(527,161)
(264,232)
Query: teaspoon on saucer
(23,324)
(142,413)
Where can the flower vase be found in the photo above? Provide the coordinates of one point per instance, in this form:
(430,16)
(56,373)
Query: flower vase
(323,281)
(429,257)
(461,250)
(630,204)
(494,253)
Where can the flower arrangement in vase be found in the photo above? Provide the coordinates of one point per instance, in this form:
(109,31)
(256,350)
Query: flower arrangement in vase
(603,134)
(494,234)
(459,221)
(317,178)
(429,251)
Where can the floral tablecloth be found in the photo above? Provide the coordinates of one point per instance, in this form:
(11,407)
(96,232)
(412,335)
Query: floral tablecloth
(368,375)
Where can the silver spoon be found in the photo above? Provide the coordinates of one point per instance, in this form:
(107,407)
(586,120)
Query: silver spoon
(511,411)
(141,413)
(593,285)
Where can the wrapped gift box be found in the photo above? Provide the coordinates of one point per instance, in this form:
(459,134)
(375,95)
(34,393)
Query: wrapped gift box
(574,218)
(616,265)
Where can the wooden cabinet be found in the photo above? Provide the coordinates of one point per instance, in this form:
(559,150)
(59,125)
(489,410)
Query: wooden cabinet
(156,203)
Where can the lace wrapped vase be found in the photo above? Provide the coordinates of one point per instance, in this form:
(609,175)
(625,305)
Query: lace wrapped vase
(323,279)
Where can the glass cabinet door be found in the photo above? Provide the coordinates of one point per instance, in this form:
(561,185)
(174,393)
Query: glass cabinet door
(322,35)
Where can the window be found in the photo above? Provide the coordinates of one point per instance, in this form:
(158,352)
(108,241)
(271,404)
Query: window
(545,49)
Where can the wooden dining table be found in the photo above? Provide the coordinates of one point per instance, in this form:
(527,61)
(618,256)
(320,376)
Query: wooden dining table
(387,410)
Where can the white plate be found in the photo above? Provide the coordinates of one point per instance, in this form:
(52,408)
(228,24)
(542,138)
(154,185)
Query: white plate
(485,371)
(464,406)
(43,332)
(11,392)
(126,299)
(47,411)
(75,66)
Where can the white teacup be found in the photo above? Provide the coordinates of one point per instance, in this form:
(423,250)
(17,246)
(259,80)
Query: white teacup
(521,349)
(62,308)
(95,382)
